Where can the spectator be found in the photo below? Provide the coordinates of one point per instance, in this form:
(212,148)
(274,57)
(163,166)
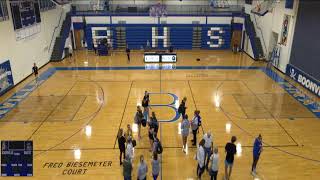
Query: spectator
(142,169)
(208,147)
(185,126)
(201,159)
(127,168)
(145,105)
(129,149)
(155,166)
(151,135)
(154,122)
(121,144)
(157,147)
(194,127)
(182,107)
(153,130)
(138,120)
(199,119)
(128,134)
(214,159)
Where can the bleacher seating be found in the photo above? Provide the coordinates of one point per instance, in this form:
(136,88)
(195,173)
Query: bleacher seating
(254,39)
(57,53)
(161,36)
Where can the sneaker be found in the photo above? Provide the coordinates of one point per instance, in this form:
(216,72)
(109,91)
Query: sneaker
(253,173)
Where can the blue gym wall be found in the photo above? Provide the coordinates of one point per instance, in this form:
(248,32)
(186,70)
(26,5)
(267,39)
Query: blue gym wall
(180,35)
(305,53)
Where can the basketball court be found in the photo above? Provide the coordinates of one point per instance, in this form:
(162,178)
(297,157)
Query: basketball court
(74,112)
(72,73)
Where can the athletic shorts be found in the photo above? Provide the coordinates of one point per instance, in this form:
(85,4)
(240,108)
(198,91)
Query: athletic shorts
(228,164)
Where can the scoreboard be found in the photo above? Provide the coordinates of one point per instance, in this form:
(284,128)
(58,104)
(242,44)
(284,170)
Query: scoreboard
(169,58)
(155,57)
(25,13)
(150,57)
(16,158)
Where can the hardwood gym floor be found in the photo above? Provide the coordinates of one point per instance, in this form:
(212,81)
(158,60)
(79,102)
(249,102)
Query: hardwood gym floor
(56,112)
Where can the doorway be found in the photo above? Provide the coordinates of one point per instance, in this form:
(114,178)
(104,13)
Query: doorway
(273,43)
(78,35)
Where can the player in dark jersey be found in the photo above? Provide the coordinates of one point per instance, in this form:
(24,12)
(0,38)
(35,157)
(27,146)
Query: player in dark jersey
(231,150)
(128,53)
(121,144)
(35,71)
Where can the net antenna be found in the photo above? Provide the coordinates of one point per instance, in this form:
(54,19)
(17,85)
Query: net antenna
(158,10)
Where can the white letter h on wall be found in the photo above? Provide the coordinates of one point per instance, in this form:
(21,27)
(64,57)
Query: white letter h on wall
(156,37)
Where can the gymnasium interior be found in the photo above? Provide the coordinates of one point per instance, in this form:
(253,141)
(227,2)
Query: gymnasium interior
(72,73)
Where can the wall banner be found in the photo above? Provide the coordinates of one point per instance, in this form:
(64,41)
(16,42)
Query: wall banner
(6,79)
(303,79)
(285,30)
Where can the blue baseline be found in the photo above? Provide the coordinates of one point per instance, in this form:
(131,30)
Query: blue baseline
(144,68)
(17,97)
(217,14)
(301,97)
(296,93)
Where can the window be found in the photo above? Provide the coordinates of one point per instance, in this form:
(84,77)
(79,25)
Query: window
(3,11)
(46,5)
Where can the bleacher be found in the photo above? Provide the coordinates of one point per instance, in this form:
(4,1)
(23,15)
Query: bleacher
(58,48)
(254,39)
(159,32)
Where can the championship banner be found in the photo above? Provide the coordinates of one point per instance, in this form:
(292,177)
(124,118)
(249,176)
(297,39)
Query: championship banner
(303,79)
(6,79)
(285,30)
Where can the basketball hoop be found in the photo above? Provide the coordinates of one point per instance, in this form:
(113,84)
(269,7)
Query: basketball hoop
(158,10)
